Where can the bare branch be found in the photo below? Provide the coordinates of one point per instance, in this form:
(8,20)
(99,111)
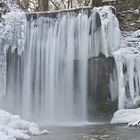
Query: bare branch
(57,8)
(64,3)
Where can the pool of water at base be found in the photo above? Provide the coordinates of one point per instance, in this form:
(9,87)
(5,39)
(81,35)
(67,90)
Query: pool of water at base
(91,132)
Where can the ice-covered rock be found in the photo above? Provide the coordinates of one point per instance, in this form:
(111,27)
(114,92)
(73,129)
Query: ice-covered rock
(137,123)
(12,127)
(130,116)
(126,116)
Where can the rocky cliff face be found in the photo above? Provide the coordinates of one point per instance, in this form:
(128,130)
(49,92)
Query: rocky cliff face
(128,13)
(100,105)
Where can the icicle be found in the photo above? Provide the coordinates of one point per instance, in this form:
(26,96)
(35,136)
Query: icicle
(121,84)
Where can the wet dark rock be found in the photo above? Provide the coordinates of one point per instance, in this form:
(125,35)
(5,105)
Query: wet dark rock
(100,106)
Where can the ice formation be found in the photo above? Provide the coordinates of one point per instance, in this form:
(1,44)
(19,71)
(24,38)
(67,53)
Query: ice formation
(127,60)
(134,124)
(125,48)
(131,116)
(110,31)
(12,127)
(128,68)
(12,33)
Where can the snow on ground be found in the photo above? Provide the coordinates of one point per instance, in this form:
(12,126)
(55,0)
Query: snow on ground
(12,127)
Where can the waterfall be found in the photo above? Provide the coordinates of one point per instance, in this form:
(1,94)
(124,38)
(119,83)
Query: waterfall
(53,45)
(47,79)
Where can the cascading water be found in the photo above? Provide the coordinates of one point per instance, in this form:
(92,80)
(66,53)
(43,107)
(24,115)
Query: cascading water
(48,81)
(47,89)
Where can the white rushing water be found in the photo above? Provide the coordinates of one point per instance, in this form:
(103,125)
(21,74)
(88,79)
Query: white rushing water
(48,81)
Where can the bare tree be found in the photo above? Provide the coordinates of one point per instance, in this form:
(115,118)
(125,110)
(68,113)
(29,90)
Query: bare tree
(34,5)
(56,6)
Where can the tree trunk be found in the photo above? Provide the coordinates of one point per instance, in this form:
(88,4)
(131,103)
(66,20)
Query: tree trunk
(96,2)
(43,5)
(71,4)
(68,4)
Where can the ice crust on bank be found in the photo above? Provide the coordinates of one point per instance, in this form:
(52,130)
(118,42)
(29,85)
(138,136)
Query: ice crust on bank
(126,116)
(12,127)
